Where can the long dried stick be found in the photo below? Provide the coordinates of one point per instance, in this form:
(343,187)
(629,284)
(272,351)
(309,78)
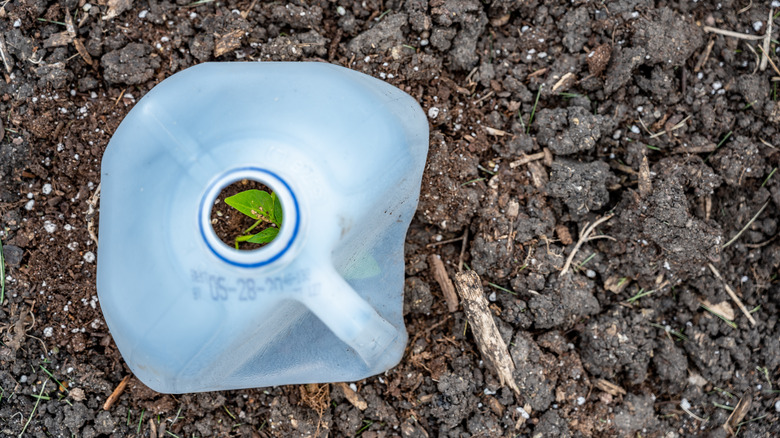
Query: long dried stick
(733,295)
(489,340)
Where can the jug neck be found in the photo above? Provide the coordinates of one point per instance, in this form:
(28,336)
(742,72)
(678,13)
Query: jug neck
(281,247)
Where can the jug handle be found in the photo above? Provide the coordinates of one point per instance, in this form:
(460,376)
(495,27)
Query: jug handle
(351,318)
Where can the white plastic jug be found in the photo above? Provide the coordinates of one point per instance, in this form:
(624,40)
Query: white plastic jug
(344,152)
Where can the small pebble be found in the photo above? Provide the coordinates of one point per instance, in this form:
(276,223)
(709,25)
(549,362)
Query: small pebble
(523,413)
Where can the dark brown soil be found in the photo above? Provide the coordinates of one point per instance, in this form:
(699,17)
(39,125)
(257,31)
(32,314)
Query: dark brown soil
(643,115)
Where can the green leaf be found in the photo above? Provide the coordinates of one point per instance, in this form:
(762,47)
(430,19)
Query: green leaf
(277,213)
(253,203)
(264,236)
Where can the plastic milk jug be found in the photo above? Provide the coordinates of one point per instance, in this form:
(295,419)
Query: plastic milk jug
(322,302)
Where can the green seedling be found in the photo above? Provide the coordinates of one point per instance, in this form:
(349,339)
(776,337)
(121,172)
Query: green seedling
(140,420)
(671,331)
(533,110)
(37,401)
(770,176)
(726,407)
(264,208)
(640,294)
(502,288)
(589,258)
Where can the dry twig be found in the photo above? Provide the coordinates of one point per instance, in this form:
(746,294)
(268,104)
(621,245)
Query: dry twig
(92,203)
(609,387)
(489,340)
(645,185)
(441,276)
(585,237)
(743,36)
(753,219)
(352,397)
(767,39)
(463,251)
(739,412)
(733,295)
(704,56)
(117,392)
(526,159)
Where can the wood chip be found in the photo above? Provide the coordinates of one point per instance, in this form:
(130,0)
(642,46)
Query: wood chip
(616,284)
(83,51)
(738,414)
(723,308)
(59,39)
(645,186)
(116,7)
(564,83)
(496,132)
(500,21)
(117,392)
(548,157)
(77,394)
(700,149)
(610,387)
(228,42)
(483,326)
(539,176)
(440,275)
(353,397)
(69,26)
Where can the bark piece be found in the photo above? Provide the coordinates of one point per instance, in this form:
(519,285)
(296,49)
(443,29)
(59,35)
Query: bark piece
(228,42)
(117,392)
(441,277)
(352,397)
(489,340)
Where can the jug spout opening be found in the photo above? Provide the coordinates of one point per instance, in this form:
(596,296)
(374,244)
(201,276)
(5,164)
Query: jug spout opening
(288,233)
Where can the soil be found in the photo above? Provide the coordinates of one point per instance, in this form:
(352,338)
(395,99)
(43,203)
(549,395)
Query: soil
(625,108)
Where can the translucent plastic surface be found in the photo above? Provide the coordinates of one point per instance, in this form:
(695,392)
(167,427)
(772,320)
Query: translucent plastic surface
(322,302)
